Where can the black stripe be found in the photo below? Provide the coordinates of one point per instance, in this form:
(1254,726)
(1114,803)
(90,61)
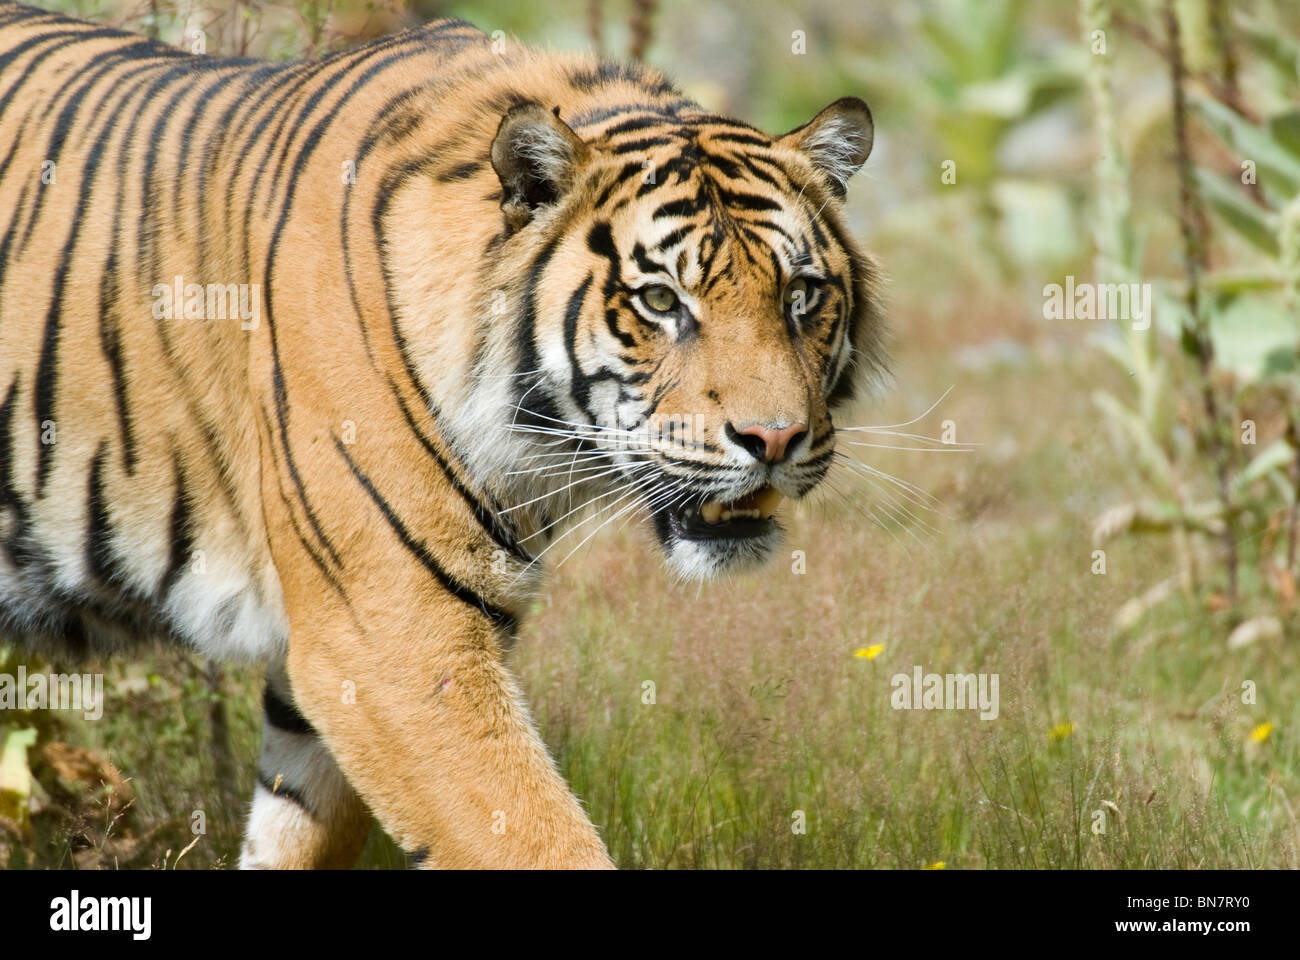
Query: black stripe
(643,261)
(436,34)
(600,241)
(279,109)
(315,555)
(462,171)
(100,560)
(46,375)
(719,121)
(832,333)
(817,461)
(680,168)
(685,207)
(543,405)
(775,228)
(746,201)
(282,421)
(17,216)
(741,138)
(579,382)
(10,498)
(181,533)
(626,174)
(845,385)
(597,115)
(289,793)
(637,146)
(17,12)
(674,237)
(611,321)
(778,171)
(8,239)
(486,518)
(758,241)
(110,341)
(749,167)
(421,551)
(326,571)
(283,715)
(611,72)
(288,126)
(639,122)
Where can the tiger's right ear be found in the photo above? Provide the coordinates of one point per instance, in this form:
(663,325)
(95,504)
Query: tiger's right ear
(536,157)
(838,140)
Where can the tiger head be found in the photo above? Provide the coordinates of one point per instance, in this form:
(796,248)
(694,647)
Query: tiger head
(692,312)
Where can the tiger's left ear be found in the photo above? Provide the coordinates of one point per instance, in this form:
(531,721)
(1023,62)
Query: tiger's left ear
(536,157)
(837,140)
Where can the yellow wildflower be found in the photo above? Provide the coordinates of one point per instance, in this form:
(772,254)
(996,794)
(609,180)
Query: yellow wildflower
(1060,732)
(937,865)
(869,653)
(1262,732)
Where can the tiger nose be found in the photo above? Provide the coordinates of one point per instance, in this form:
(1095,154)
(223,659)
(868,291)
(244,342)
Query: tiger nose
(769,444)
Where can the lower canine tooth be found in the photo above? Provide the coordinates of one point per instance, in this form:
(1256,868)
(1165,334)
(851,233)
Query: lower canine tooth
(768,500)
(711,512)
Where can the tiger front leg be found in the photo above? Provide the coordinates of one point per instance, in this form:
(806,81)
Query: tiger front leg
(431,731)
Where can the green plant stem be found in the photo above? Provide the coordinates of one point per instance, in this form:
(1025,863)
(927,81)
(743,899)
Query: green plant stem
(595,26)
(1228,95)
(1293,517)
(643,12)
(1221,31)
(222,755)
(1191,225)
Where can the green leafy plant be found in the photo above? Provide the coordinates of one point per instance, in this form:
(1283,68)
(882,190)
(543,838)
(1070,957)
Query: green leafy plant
(1229,326)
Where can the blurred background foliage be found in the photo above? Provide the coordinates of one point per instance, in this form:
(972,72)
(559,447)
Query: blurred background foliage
(1018,142)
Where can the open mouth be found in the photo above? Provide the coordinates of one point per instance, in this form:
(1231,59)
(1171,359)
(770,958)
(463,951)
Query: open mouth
(750,516)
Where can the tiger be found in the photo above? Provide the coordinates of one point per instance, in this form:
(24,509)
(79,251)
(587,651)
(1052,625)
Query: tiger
(309,363)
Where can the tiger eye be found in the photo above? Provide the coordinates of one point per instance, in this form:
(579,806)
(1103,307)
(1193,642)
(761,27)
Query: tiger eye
(797,288)
(659,298)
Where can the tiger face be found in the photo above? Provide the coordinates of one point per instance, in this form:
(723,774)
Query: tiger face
(696,313)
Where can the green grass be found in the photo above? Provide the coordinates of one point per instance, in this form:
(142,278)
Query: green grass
(762,708)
